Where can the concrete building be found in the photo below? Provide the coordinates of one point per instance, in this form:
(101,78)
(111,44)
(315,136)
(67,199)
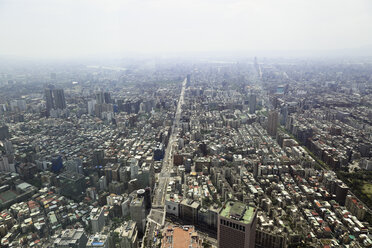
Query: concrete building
(180,237)
(97,219)
(72,184)
(341,193)
(355,207)
(172,204)
(252,103)
(236,225)
(272,123)
(189,211)
(128,234)
(266,239)
(98,241)
(59,99)
(71,238)
(138,212)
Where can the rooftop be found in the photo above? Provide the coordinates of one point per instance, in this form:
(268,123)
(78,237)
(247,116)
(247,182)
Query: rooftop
(238,211)
(180,236)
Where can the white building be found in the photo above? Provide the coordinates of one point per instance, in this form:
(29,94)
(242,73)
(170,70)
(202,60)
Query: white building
(97,219)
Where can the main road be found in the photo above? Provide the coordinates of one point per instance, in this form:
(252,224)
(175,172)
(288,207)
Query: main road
(157,214)
(163,177)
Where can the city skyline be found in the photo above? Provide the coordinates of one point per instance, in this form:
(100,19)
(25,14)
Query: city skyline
(93,29)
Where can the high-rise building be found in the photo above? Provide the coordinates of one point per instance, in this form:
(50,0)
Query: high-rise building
(74,165)
(128,234)
(97,219)
(91,107)
(189,211)
(138,210)
(72,184)
(49,99)
(4,132)
(55,99)
(272,123)
(252,103)
(98,158)
(4,164)
(341,193)
(100,97)
(107,97)
(133,167)
(59,99)
(236,225)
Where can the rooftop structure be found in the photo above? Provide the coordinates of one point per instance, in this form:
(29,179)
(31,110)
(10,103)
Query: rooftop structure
(238,211)
(180,237)
(74,238)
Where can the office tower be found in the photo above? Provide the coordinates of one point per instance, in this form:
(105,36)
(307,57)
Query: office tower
(98,158)
(4,132)
(72,184)
(18,105)
(97,219)
(272,123)
(107,97)
(74,165)
(100,97)
(133,168)
(236,225)
(91,107)
(159,152)
(59,99)
(128,234)
(138,210)
(102,182)
(4,164)
(252,103)
(57,164)
(26,170)
(49,99)
(341,192)
(108,173)
(189,211)
(148,198)
(72,238)
(283,115)
(8,147)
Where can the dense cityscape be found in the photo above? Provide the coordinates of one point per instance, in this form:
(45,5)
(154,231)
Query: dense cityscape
(248,152)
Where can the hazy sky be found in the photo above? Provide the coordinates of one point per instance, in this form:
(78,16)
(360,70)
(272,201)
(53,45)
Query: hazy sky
(78,28)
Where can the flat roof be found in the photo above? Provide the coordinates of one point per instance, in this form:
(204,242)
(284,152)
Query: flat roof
(238,211)
(8,196)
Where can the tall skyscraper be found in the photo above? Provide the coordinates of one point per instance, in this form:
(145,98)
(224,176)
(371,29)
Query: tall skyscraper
(272,123)
(236,225)
(4,132)
(59,99)
(55,99)
(49,99)
(138,210)
(107,97)
(100,97)
(252,103)
(97,219)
